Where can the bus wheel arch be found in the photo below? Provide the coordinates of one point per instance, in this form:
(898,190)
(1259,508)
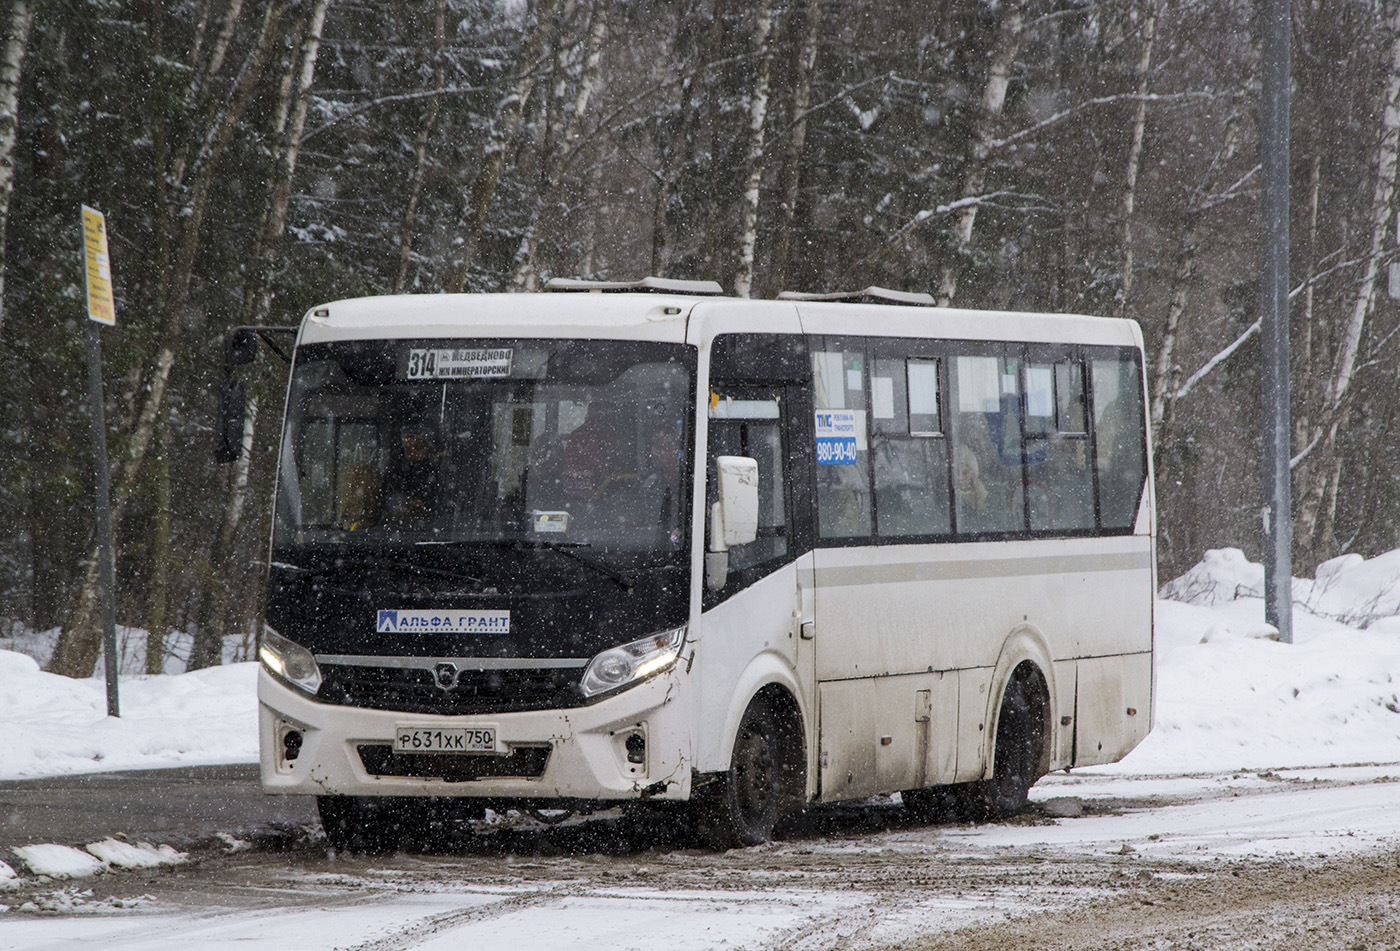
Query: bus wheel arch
(1025,654)
(1021,737)
(767,774)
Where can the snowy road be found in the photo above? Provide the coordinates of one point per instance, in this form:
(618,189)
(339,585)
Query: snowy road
(1229,857)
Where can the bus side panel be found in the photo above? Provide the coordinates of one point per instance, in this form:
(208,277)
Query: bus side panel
(906,608)
(744,642)
(887,611)
(1062,754)
(849,722)
(1114,707)
(973,722)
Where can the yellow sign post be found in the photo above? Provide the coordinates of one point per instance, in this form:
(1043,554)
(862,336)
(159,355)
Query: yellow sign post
(99,268)
(101,310)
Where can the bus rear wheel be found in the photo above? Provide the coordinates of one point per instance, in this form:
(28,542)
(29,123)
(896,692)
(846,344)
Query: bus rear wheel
(1019,743)
(744,805)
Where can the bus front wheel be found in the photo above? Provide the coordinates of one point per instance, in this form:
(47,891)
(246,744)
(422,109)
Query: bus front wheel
(363,824)
(742,808)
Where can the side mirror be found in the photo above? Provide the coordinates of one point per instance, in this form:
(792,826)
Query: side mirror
(240,348)
(228,421)
(734,517)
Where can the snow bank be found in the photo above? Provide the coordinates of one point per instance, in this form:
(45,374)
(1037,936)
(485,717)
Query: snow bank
(139,855)
(56,725)
(1230,698)
(58,861)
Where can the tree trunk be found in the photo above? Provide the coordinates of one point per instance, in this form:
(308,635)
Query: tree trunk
(1305,400)
(503,131)
(797,143)
(1149,32)
(280,199)
(420,147)
(16,44)
(1168,375)
(753,162)
(207,650)
(676,151)
(157,613)
(1008,44)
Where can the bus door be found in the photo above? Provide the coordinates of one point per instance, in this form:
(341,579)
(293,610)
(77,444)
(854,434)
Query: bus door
(766,601)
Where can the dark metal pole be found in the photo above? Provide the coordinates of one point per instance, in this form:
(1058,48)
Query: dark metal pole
(104,516)
(1275,21)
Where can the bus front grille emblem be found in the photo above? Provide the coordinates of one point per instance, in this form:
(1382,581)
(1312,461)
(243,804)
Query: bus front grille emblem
(445,675)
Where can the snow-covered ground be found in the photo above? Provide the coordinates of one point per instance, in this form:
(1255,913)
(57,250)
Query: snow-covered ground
(1260,750)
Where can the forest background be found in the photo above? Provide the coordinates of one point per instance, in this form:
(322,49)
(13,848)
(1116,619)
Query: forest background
(254,157)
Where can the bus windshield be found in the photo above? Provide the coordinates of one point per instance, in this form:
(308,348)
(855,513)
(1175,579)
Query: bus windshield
(541,443)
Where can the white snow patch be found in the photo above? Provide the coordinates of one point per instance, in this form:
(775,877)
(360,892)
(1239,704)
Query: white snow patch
(139,855)
(58,861)
(57,725)
(233,843)
(8,877)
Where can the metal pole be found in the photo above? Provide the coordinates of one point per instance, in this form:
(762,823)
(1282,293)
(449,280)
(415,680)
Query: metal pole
(1278,506)
(104,516)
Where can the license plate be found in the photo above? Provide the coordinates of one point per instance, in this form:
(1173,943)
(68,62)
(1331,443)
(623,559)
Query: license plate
(419,739)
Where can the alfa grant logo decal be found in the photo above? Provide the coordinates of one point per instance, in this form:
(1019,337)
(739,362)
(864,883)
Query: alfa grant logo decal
(442,622)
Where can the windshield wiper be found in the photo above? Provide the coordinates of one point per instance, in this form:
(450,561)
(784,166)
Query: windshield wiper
(623,579)
(362,561)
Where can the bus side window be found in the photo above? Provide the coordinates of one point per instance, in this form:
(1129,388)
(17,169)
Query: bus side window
(1118,439)
(911,455)
(753,428)
(843,464)
(1059,481)
(987,453)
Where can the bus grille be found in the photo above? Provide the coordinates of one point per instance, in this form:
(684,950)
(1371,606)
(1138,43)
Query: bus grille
(409,690)
(524,762)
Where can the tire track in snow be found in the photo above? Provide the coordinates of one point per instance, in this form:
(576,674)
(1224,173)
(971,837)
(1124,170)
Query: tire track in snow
(434,925)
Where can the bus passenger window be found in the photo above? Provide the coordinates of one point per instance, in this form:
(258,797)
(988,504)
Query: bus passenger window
(1118,439)
(911,457)
(1059,482)
(987,450)
(843,475)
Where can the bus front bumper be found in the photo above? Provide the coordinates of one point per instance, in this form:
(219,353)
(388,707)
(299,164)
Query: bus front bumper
(580,753)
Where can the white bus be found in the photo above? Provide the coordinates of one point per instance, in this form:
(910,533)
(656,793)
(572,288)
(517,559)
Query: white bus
(614,543)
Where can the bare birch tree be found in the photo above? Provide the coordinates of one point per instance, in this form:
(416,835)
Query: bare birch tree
(1130,177)
(16,44)
(289,132)
(753,159)
(1003,55)
(1167,379)
(811,15)
(561,150)
(426,128)
(519,87)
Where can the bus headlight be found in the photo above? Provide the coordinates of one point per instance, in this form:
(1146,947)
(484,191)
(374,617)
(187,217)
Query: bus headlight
(289,661)
(630,663)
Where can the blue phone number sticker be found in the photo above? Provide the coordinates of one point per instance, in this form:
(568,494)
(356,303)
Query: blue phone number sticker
(836,452)
(839,435)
